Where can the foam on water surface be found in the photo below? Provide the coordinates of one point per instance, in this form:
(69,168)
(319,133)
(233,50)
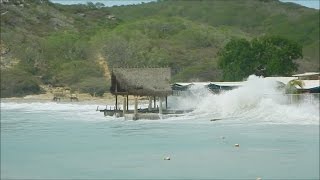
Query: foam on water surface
(258,101)
(50,140)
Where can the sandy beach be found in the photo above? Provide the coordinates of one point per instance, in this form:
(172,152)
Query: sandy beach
(107,98)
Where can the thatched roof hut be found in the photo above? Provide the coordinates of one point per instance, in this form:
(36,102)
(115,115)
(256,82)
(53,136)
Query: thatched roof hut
(141,81)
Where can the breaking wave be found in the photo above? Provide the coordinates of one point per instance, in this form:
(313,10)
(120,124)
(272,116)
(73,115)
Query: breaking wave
(257,101)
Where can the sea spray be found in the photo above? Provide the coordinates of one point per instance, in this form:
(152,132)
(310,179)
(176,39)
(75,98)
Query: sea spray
(259,100)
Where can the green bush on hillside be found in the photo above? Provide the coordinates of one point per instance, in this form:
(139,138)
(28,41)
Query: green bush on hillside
(95,86)
(274,55)
(18,83)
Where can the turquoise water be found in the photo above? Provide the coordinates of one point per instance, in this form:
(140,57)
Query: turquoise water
(278,140)
(50,140)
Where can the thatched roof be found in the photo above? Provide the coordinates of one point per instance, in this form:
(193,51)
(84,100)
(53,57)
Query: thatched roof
(141,81)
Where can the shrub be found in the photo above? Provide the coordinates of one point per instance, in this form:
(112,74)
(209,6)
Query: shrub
(95,86)
(18,83)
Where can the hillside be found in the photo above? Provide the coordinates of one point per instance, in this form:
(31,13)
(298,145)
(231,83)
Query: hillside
(65,45)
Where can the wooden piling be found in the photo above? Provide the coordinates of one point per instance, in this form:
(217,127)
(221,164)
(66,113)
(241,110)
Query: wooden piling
(127,102)
(166,102)
(124,105)
(116,102)
(150,104)
(135,115)
(160,105)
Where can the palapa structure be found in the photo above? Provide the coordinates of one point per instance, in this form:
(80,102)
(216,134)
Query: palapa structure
(150,82)
(141,81)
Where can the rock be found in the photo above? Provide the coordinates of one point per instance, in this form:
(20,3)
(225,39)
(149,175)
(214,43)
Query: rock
(81,14)
(111,17)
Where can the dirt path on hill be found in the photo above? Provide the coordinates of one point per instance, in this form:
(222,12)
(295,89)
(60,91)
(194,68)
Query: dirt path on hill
(103,63)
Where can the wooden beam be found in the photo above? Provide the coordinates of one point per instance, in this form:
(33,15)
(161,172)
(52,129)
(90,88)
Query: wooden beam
(116,102)
(124,105)
(166,102)
(127,102)
(160,105)
(135,114)
(150,104)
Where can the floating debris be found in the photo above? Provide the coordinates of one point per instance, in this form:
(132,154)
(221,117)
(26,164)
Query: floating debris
(236,145)
(216,119)
(167,158)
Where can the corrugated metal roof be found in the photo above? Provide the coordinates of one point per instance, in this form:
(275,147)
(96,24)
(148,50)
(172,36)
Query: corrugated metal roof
(306,74)
(230,84)
(208,83)
(284,80)
(182,84)
(308,84)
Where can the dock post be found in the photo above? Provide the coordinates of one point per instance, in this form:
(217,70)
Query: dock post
(160,105)
(135,115)
(116,102)
(166,102)
(154,102)
(127,102)
(124,105)
(150,104)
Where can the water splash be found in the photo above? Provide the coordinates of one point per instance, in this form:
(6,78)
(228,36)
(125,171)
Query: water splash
(257,101)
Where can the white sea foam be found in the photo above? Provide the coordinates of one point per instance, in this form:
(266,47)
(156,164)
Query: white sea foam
(46,106)
(257,101)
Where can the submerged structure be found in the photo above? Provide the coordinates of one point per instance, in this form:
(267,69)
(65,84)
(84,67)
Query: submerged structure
(151,83)
(310,82)
(214,87)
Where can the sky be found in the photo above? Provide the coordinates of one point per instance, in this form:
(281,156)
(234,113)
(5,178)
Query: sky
(308,3)
(105,2)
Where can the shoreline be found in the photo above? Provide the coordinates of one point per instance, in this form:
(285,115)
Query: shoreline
(106,99)
(48,97)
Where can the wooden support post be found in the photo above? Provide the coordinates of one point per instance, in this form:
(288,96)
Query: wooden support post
(160,105)
(127,102)
(116,102)
(135,114)
(166,102)
(124,105)
(154,102)
(150,104)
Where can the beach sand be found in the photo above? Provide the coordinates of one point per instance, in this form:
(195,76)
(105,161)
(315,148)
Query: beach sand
(107,98)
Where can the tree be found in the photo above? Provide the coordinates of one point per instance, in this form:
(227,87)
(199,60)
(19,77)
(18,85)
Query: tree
(273,54)
(99,5)
(235,59)
(276,54)
(15,82)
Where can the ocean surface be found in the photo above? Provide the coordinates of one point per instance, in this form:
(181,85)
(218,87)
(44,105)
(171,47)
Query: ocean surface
(278,140)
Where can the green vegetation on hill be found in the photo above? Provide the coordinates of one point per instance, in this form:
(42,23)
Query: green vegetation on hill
(265,56)
(60,45)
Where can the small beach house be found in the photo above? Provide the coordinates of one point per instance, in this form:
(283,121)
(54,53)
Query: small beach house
(153,83)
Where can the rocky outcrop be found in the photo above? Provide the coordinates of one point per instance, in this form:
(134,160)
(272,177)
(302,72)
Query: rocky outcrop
(6,61)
